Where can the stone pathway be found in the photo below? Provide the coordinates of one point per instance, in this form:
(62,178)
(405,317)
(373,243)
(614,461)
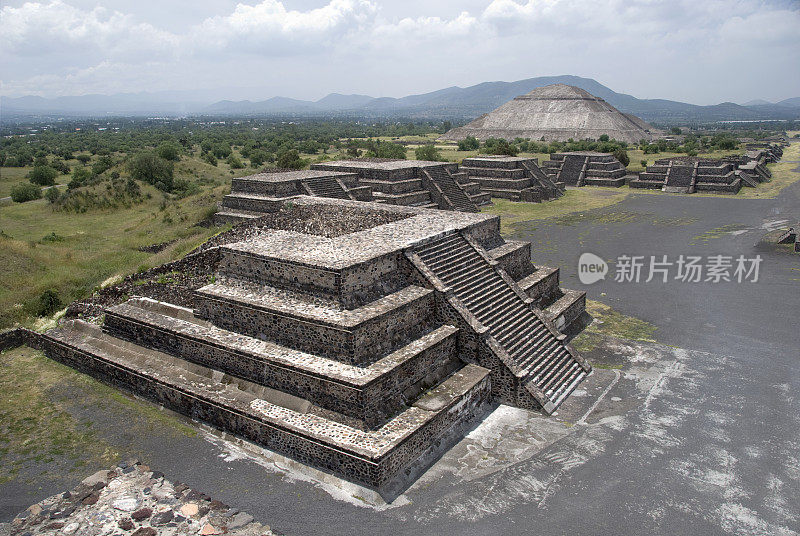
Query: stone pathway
(130,499)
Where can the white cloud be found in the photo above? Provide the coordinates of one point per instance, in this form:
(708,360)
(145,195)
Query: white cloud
(646,47)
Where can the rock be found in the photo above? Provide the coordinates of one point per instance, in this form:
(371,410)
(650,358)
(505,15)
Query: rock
(208,528)
(145,531)
(54,526)
(97,478)
(189,509)
(91,499)
(71,528)
(203,511)
(126,504)
(218,505)
(35,509)
(162,518)
(125,524)
(240,520)
(128,469)
(156,475)
(142,514)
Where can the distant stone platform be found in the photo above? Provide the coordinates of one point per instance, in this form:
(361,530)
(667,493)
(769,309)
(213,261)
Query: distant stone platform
(585,168)
(511,177)
(354,337)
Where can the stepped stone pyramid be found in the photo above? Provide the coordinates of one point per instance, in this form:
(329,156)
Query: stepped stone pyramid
(556,113)
(690,175)
(354,337)
(510,177)
(255,195)
(585,168)
(413,182)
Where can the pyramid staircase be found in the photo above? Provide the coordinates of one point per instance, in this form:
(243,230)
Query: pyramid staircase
(544,366)
(326,187)
(585,169)
(447,189)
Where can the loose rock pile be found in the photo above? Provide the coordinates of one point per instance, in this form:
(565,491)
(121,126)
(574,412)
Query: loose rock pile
(130,499)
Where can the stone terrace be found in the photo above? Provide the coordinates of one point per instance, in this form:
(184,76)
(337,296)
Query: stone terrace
(585,168)
(255,195)
(413,182)
(353,347)
(510,177)
(690,175)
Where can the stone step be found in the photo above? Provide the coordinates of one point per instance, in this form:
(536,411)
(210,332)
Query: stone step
(540,284)
(481,199)
(526,339)
(514,257)
(598,181)
(286,424)
(356,336)
(406,198)
(252,202)
(494,183)
(235,216)
(369,394)
(394,187)
(566,309)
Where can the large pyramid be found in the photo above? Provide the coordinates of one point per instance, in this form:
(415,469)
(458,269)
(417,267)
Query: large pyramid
(557,113)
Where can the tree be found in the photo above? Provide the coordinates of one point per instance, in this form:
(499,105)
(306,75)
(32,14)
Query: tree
(52,195)
(43,175)
(427,152)
(25,191)
(83,158)
(222,150)
(257,158)
(49,303)
(234,162)
(290,159)
(603,137)
(168,151)
(80,177)
(387,149)
(152,169)
(622,156)
(209,158)
(470,143)
(102,164)
(675,130)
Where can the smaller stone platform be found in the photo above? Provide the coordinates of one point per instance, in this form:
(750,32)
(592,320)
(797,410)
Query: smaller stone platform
(510,177)
(419,183)
(254,195)
(585,168)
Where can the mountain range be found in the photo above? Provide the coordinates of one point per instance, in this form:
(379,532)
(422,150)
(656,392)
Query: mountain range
(449,103)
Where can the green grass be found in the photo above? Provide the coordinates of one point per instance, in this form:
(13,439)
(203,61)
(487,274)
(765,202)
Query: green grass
(92,246)
(611,323)
(39,403)
(573,201)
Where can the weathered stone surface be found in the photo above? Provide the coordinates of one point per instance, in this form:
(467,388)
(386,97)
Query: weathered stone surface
(103,517)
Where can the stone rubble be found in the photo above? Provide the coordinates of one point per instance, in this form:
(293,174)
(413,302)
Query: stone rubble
(132,500)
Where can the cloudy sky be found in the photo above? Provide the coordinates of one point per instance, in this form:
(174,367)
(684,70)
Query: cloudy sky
(700,51)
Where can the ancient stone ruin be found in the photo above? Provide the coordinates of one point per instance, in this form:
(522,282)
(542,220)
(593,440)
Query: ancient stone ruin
(354,337)
(510,177)
(689,175)
(585,168)
(556,113)
(413,182)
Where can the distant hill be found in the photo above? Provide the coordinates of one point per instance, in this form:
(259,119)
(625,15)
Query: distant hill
(448,103)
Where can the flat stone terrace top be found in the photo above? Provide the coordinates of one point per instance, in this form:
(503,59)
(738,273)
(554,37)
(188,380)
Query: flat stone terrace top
(288,176)
(690,161)
(585,153)
(336,253)
(387,165)
(498,158)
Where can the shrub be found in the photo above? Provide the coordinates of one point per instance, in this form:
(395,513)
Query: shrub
(61,166)
(102,164)
(234,162)
(500,147)
(470,143)
(622,156)
(152,169)
(427,152)
(49,303)
(290,159)
(221,150)
(209,158)
(603,137)
(168,151)
(25,191)
(43,175)
(80,177)
(52,195)
(643,163)
(83,158)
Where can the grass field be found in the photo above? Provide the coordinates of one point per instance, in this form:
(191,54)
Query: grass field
(73,253)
